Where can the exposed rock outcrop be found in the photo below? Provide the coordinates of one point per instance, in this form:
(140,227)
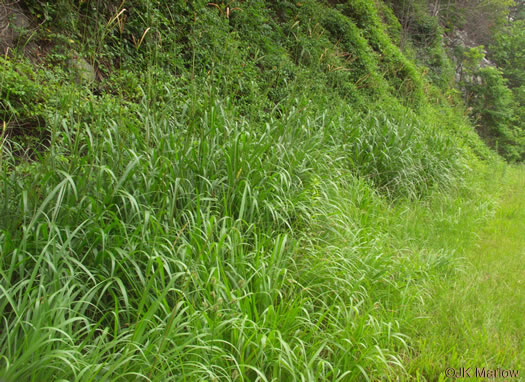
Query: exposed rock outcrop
(15,27)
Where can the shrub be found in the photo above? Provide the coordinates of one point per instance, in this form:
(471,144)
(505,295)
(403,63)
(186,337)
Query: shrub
(493,104)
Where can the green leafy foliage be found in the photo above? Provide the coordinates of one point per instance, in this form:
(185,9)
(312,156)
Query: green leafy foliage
(509,54)
(494,103)
(21,93)
(494,92)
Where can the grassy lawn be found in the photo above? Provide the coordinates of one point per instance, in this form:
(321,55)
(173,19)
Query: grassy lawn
(476,316)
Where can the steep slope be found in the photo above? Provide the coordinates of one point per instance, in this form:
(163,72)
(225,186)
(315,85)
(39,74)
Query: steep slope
(227,196)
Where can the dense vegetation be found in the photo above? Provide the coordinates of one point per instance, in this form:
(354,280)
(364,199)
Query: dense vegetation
(239,190)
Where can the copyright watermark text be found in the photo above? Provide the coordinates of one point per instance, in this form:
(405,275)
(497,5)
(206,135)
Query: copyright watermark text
(481,372)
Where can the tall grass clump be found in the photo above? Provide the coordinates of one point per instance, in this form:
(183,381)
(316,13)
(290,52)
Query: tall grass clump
(201,246)
(400,157)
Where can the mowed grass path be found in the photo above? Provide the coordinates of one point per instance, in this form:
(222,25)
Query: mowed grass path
(477,315)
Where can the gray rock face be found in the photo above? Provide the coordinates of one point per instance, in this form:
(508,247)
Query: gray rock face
(461,38)
(14,25)
(84,70)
